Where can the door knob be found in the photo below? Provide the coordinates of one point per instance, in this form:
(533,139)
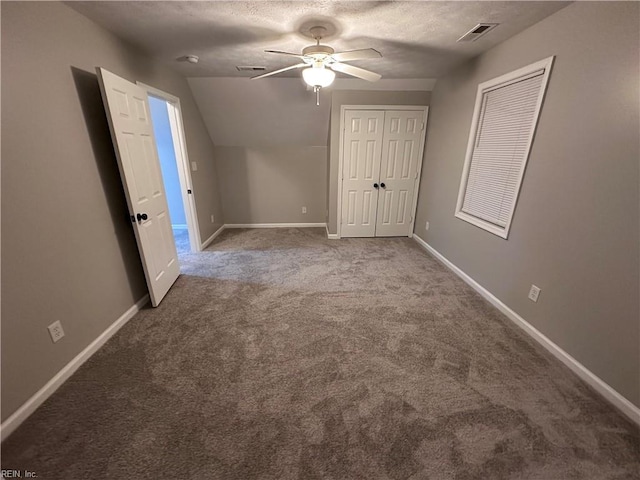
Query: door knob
(142,216)
(375,185)
(383,185)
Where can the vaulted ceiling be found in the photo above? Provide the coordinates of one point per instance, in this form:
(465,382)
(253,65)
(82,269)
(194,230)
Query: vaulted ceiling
(417,39)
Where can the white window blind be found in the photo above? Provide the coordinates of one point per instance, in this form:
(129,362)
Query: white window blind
(505,118)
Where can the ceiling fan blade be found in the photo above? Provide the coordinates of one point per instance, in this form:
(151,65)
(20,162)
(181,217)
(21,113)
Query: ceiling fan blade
(355,71)
(268,74)
(356,55)
(285,53)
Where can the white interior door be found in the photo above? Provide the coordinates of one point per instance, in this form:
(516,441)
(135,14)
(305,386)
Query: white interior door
(132,133)
(361,171)
(401,154)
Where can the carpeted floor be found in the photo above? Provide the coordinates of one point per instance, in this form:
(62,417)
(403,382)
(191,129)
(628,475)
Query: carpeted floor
(279,354)
(181,237)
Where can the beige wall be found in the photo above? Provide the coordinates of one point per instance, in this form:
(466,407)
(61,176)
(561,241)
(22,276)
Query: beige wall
(272,184)
(68,251)
(268,112)
(355,97)
(575,232)
(278,116)
(270,147)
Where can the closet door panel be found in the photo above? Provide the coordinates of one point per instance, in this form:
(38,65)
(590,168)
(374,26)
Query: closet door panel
(361,172)
(401,154)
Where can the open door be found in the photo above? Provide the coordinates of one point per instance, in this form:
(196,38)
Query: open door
(132,133)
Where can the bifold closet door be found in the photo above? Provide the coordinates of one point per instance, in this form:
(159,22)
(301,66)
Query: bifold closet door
(381,156)
(401,155)
(361,171)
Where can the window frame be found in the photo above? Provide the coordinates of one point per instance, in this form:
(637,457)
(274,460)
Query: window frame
(501,81)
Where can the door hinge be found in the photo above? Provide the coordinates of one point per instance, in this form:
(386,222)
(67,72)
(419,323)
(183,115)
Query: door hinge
(133,218)
(188,191)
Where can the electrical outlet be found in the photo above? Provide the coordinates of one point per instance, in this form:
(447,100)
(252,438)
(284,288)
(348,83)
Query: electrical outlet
(213,219)
(56,331)
(194,166)
(304,209)
(426,226)
(534,293)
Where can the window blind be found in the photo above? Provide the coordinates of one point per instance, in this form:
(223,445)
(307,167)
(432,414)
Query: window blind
(505,127)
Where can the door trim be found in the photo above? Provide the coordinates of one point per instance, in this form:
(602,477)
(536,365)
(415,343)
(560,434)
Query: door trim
(343,110)
(182,159)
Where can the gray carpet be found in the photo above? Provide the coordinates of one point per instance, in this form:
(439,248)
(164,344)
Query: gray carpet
(279,354)
(181,237)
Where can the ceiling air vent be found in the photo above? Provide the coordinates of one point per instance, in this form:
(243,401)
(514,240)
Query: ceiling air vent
(478,31)
(249,68)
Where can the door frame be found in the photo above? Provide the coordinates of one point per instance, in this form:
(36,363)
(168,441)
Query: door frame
(343,110)
(182,161)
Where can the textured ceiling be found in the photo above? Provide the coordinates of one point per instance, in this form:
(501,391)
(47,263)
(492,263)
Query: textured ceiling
(417,39)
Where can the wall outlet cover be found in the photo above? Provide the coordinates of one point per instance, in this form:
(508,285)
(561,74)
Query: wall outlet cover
(426,226)
(56,331)
(534,293)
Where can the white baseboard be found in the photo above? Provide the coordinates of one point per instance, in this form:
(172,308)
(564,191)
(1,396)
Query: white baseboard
(208,241)
(20,415)
(604,389)
(331,236)
(179,226)
(274,225)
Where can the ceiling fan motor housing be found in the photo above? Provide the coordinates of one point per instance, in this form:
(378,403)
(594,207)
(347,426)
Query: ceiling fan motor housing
(320,62)
(318,52)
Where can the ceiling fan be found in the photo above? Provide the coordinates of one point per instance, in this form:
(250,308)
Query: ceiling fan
(320,62)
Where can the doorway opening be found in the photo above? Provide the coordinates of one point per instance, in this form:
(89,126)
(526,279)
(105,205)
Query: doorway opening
(169,168)
(174,165)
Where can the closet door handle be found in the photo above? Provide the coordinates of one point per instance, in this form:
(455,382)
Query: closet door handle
(141,216)
(383,185)
(375,185)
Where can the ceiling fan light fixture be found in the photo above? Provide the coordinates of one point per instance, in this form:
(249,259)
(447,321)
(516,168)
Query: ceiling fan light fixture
(318,76)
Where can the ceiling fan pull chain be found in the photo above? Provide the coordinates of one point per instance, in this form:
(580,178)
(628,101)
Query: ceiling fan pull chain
(317,90)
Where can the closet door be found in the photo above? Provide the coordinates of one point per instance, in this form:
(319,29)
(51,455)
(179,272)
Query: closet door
(361,171)
(401,155)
